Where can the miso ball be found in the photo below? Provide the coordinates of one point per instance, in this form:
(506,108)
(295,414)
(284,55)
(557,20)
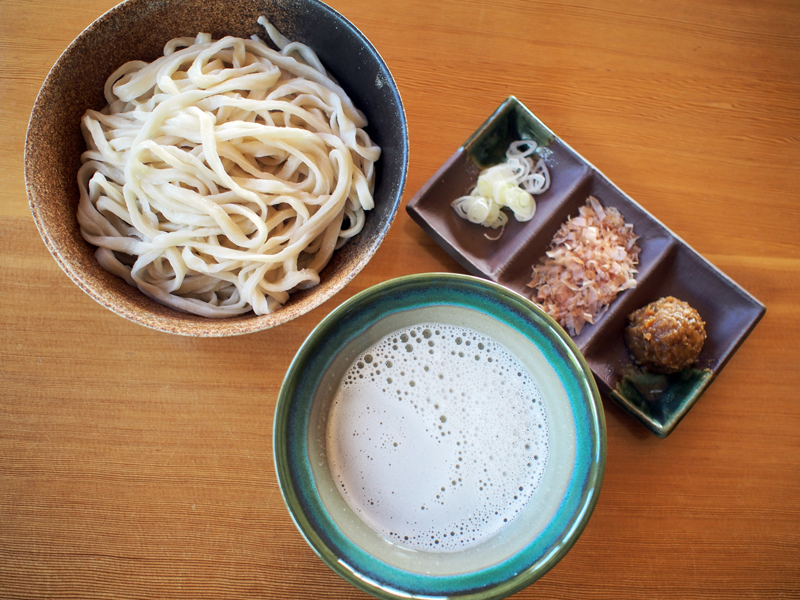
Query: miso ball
(666,336)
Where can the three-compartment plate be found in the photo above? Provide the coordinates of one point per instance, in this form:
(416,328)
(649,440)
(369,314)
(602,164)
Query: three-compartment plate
(667,265)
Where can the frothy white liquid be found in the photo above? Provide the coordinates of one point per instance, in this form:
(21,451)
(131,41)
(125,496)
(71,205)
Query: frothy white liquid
(437,437)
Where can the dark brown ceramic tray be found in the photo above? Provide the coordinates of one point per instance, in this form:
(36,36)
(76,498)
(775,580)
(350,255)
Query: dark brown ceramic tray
(667,265)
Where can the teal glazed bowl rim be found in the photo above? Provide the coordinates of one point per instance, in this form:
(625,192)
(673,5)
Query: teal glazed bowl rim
(291,449)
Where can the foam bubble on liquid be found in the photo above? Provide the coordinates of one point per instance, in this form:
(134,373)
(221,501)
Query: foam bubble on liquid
(437,437)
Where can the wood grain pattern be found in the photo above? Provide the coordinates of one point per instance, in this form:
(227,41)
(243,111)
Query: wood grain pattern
(135,464)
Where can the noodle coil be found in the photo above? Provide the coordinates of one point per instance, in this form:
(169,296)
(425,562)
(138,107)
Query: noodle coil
(222,176)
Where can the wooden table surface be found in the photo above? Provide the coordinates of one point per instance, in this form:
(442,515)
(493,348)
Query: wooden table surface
(138,464)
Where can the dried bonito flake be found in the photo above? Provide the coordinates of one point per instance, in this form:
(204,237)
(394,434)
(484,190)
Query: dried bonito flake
(591,259)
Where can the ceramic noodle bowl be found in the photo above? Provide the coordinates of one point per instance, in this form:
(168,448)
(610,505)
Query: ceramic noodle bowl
(439,435)
(138,30)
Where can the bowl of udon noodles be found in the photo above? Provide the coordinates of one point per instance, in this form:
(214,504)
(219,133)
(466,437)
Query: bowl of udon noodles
(215,168)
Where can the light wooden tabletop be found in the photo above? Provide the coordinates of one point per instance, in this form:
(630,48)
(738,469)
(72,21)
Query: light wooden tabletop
(138,464)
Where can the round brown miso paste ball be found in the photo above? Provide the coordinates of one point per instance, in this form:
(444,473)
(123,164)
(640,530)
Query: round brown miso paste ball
(666,336)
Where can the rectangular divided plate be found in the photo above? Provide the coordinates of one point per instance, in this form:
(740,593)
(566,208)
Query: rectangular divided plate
(667,265)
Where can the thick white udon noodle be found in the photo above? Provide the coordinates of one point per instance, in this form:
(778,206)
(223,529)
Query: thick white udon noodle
(223,175)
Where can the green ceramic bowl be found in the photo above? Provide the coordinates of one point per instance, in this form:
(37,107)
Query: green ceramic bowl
(543,530)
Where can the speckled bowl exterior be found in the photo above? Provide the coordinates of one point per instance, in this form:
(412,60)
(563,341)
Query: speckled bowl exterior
(301,409)
(138,30)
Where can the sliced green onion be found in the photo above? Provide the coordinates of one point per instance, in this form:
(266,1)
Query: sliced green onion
(511,184)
